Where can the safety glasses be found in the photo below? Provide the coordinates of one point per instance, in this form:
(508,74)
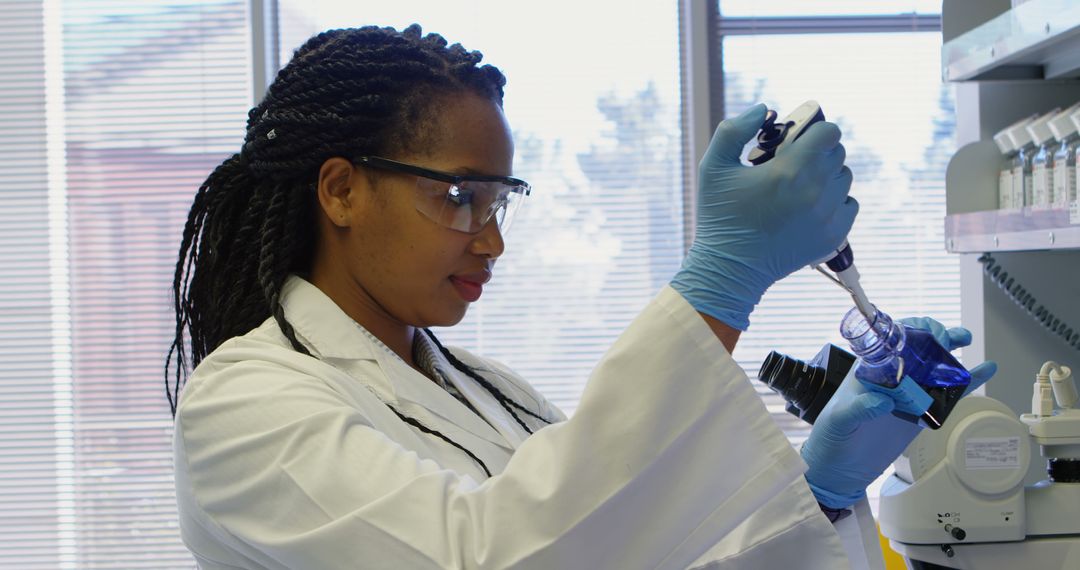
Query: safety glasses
(463,203)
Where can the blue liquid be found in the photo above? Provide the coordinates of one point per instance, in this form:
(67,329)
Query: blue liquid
(889,351)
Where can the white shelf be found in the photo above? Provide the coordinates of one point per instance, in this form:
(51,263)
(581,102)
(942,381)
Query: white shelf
(977,232)
(1039,39)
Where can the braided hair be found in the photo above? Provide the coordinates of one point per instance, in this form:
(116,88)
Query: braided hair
(345,93)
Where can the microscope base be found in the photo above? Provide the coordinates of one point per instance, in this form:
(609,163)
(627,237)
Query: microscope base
(1044,553)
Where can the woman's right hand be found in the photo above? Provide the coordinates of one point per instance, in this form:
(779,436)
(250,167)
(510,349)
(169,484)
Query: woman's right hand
(756,225)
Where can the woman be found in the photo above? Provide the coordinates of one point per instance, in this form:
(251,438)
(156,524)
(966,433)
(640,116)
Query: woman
(324,426)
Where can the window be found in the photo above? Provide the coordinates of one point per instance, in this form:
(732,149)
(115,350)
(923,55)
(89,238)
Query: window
(114,113)
(593,100)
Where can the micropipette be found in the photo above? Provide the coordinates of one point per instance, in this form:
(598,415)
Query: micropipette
(842,263)
(773,137)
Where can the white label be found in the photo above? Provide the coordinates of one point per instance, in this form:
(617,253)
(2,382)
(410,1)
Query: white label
(1017,200)
(1005,189)
(1041,186)
(1074,211)
(1063,176)
(1074,182)
(992,453)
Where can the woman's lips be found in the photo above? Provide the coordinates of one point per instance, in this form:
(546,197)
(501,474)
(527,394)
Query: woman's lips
(470,291)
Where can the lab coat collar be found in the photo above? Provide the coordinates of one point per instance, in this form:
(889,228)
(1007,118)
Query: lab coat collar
(317,319)
(332,335)
(415,388)
(481,400)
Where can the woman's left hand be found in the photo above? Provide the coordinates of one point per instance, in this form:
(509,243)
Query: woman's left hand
(855,438)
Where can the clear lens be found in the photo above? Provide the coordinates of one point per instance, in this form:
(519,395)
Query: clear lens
(470,206)
(505,214)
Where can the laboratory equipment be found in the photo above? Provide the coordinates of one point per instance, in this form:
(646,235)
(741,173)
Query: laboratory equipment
(1042,163)
(957,498)
(1023,188)
(1073,156)
(889,351)
(1064,159)
(772,138)
(1008,152)
(806,386)
(1021,167)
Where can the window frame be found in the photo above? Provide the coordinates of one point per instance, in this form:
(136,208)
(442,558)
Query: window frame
(264,31)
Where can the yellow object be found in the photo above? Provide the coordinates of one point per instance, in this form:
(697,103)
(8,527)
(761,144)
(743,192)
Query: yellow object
(893,561)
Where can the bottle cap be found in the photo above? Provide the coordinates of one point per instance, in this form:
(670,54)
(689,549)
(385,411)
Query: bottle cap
(1062,125)
(1018,133)
(1003,142)
(1002,139)
(1039,129)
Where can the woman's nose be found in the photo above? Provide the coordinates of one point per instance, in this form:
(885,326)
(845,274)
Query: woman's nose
(488,242)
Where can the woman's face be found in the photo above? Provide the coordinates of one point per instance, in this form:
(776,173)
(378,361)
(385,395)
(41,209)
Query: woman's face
(405,266)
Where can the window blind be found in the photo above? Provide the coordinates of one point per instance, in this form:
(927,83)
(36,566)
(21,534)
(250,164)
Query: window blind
(152,96)
(35,510)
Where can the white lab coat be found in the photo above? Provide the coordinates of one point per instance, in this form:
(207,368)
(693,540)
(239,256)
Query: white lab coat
(671,461)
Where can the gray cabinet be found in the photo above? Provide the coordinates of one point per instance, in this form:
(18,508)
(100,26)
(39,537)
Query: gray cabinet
(1006,64)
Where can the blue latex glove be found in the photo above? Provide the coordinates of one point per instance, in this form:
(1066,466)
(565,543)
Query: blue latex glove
(756,225)
(855,438)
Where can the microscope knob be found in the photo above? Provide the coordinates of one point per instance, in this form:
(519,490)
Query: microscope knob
(956,532)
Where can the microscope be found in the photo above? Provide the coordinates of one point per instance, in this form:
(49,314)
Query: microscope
(957,498)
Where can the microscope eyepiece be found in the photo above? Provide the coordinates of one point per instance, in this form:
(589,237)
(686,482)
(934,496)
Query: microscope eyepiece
(806,386)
